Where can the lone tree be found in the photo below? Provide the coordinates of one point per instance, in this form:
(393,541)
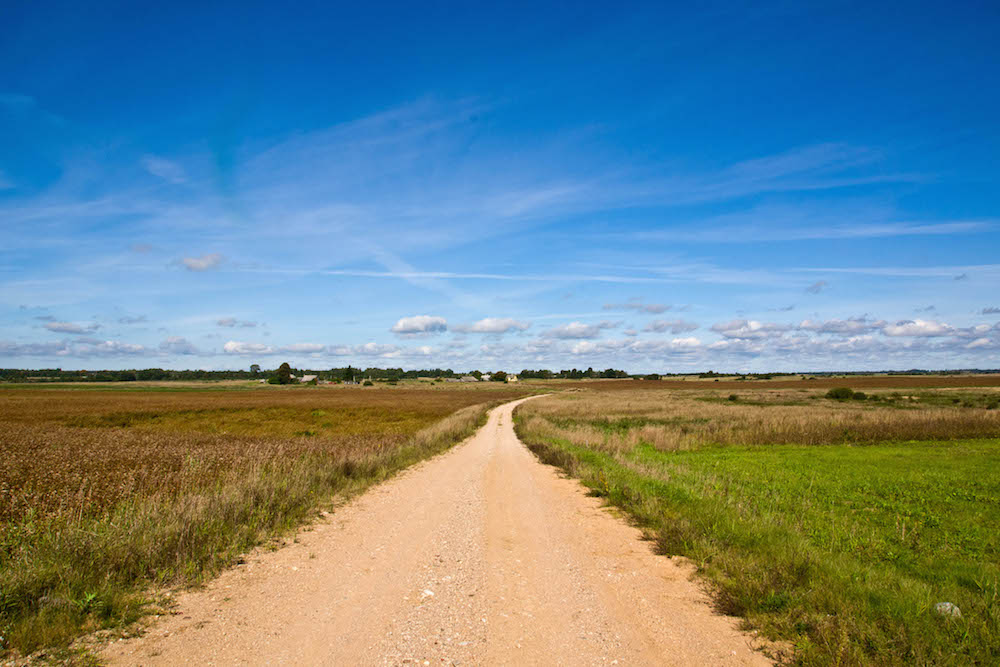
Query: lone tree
(255,368)
(284,373)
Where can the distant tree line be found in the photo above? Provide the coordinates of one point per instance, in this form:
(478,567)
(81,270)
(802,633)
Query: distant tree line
(572,374)
(283,374)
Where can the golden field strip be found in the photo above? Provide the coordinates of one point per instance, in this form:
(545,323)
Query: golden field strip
(831,526)
(107,491)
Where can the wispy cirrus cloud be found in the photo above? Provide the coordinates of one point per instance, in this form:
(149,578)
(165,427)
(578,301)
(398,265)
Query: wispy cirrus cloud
(231,322)
(638,306)
(167,170)
(673,326)
(72,327)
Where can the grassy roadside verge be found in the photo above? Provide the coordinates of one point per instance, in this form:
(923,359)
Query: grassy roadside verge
(62,576)
(841,550)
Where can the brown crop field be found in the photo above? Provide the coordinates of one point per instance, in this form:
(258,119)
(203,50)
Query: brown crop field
(106,492)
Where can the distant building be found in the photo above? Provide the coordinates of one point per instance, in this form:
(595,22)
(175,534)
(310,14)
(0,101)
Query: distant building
(468,378)
(511,378)
(307,378)
(486,377)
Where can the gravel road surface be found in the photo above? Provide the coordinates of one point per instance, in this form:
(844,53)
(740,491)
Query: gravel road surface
(480,556)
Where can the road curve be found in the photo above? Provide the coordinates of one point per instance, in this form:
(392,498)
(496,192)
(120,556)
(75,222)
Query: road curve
(480,556)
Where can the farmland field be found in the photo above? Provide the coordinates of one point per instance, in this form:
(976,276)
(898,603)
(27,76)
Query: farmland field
(105,491)
(833,526)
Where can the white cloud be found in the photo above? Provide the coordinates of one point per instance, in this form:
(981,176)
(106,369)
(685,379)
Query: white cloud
(238,347)
(849,327)
(918,328)
(420,325)
(673,326)
(750,329)
(202,263)
(165,169)
(115,348)
(178,345)
(579,330)
(492,325)
(71,327)
(231,322)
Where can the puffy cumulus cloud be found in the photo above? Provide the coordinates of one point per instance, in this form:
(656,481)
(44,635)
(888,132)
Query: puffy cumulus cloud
(178,345)
(202,263)
(918,328)
(239,347)
(975,331)
(817,287)
(72,328)
(232,322)
(420,325)
(304,348)
(673,326)
(750,329)
(850,327)
(492,325)
(579,330)
(639,306)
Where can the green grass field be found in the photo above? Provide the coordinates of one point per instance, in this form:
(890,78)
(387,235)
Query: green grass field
(840,551)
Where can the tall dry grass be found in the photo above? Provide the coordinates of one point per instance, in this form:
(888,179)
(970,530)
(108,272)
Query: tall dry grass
(685,420)
(93,515)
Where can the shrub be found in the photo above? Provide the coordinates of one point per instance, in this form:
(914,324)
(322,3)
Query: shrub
(840,393)
(859,396)
(734,397)
(367,383)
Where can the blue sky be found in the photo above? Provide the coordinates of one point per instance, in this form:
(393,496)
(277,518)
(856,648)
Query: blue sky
(787,186)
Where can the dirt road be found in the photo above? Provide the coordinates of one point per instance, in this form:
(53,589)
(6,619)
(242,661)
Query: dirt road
(481,556)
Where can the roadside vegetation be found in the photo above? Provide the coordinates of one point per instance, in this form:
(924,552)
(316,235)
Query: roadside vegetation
(834,524)
(105,495)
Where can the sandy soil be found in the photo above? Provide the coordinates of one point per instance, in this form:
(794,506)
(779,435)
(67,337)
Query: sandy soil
(481,556)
